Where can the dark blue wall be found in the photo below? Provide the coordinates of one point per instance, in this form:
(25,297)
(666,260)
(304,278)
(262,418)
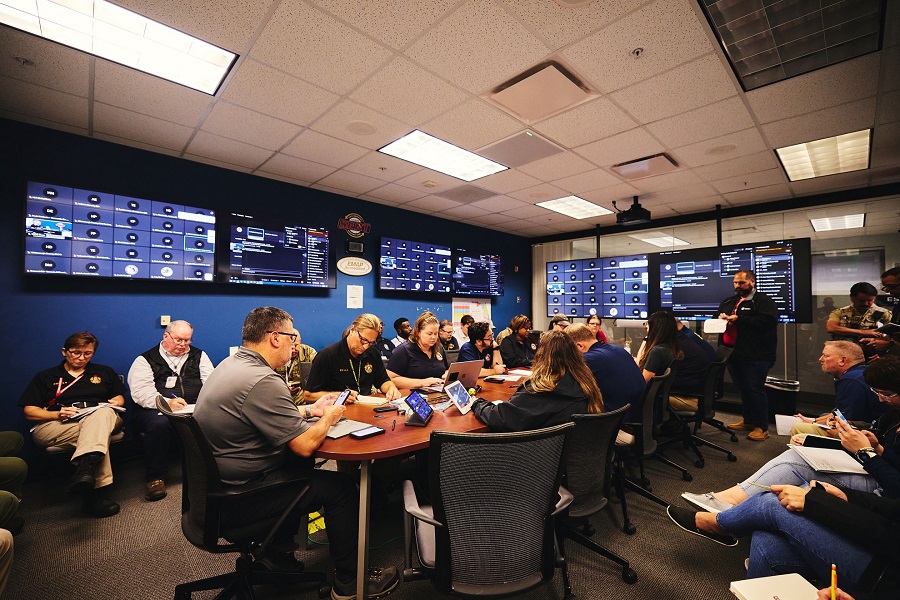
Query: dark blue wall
(39,312)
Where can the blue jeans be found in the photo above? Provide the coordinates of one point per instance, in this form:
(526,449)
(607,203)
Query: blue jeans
(788,542)
(750,378)
(780,470)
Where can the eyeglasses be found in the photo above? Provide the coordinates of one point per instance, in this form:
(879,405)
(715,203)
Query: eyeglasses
(293,336)
(446,331)
(80,354)
(179,340)
(365,343)
(884,394)
(889,288)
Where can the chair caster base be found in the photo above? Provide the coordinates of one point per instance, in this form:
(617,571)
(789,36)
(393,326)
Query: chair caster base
(629,576)
(629,528)
(734,438)
(699,463)
(732,458)
(687,476)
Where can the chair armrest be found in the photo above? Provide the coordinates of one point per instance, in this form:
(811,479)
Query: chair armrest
(251,490)
(411,505)
(565,499)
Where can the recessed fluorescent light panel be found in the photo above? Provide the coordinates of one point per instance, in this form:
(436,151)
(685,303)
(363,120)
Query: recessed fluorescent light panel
(575,207)
(428,151)
(660,240)
(114,33)
(828,156)
(835,223)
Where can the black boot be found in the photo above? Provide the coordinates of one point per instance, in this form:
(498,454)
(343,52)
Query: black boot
(83,479)
(98,505)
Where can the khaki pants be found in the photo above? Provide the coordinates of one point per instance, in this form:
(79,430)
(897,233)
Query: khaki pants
(90,434)
(809,429)
(685,403)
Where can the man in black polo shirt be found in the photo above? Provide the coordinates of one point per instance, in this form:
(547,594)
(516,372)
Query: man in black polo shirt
(176,371)
(352,363)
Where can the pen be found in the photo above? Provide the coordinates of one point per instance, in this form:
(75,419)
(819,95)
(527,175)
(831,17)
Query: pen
(394,425)
(800,476)
(833,582)
(765,487)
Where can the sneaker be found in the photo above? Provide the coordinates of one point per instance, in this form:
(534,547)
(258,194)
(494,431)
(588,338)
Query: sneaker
(758,434)
(740,426)
(378,583)
(156,490)
(707,502)
(684,518)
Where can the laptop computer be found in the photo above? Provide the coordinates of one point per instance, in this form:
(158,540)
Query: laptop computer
(465,372)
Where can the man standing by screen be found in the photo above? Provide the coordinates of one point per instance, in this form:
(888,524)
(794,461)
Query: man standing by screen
(752,319)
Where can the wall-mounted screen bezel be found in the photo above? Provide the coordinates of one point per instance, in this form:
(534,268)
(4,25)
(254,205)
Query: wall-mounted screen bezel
(612,287)
(476,274)
(411,266)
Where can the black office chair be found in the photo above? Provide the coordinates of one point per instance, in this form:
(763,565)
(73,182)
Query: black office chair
(589,463)
(490,529)
(202,503)
(643,445)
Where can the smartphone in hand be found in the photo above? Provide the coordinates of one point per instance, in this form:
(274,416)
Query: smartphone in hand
(342,398)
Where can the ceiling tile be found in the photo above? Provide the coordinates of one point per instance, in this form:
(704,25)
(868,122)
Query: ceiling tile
(251,127)
(324,149)
(751,163)
(493,220)
(760,194)
(698,83)
(569,128)
(270,92)
(336,191)
(585,182)
(557,166)
(696,204)
(456,48)
(393,22)
(389,91)
(720,149)
(223,150)
(888,108)
(432,204)
(830,183)
(703,123)
(886,145)
(333,55)
(351,182)
(538,193)
(283,178)
(497,204)
(129,125)
(295,168)
(50,105)
(473,124)
(133,143)
(507,181)
(677,195)
(217,163)
(668,32)
(396,194)
(382,166)
(620,148)
(14,116)
(334,123)
(559,26)
(462,213)
(890,78)
(750,181)
(444,182)
(831,86)
(828,122)
(375,200)
(605,196)
(55,66)
(675,179)
(527,212)
(148,95)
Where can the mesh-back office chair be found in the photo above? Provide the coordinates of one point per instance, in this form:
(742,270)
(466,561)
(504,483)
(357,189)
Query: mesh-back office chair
(644,443)
(305,368)
(589,463)
(490,528)
(723,353)
(202,503)
(705,412)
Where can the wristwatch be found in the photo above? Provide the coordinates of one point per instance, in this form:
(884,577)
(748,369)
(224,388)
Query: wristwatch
(864,454)
(308,413)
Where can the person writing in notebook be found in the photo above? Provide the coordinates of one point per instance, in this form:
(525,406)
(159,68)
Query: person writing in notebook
(352,363)
(420,361)
(56,395)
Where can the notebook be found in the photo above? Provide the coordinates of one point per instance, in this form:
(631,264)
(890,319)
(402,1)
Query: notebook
(345,427)
(777,587)
(827,460)
(465,372)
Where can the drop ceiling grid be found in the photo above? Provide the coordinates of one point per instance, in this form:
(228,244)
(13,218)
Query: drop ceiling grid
(712,120)
(44,103)
(685,193)
(318,147)
(587,181)
(473,124)
(135,144)
(748,141)
(432,204)
(824,123)
(660,183)
(415,181)
(537,193)
(297,168)
(351,182)
(217,163)
(242,124)
(749,181)
(621,191)
(557,166)
(462,213)
(622,147)
(382,167)
(396,194)
(227,151)
(568,129)
(55,66)
(334,123)
(129,125)
(839,181)
(500,203)
(751,163)
(756,195)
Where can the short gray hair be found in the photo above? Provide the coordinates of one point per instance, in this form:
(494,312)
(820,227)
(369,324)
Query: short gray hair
(262,320)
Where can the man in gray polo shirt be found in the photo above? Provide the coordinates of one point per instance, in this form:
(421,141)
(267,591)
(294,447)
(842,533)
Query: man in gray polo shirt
(248,417)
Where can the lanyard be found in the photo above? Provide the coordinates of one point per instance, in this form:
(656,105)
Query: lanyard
(60,390)
(357,374)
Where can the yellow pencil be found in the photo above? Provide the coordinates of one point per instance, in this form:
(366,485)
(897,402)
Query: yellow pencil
(833,582)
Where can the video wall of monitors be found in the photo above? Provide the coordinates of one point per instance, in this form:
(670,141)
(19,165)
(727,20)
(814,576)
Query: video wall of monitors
(477,274)
(410,266)
(265,251)
(72,231)
(614,287)
(692,283)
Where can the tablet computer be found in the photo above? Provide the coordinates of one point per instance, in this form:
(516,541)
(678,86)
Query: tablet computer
(459,395)
(421,412)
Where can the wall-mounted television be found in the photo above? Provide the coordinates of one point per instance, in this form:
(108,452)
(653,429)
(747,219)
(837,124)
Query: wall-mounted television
(73,231)
(692,283)
(477,274)
(410,266)
(614,287)
(267,251)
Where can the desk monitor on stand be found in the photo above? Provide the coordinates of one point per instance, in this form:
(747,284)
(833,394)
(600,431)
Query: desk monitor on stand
(421,412)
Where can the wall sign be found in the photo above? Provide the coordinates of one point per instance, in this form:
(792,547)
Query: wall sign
(355,266)
(354,225)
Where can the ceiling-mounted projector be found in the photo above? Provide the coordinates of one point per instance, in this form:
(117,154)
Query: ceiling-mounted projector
(634,215)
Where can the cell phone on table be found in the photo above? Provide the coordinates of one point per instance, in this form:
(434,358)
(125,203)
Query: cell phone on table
(340,399)
(366,433)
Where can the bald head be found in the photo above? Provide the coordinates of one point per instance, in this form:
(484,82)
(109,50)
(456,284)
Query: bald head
(177,338)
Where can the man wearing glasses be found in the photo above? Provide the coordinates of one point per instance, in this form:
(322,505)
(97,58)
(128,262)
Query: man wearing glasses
(352,363)
(445,333)
(175,370)
(890,300)
(481,347)
(54,400)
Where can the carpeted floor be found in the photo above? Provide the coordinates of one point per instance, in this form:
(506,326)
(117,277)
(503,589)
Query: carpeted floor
(141,553)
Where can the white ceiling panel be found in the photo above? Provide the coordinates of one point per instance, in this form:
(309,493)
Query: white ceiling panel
(587,181)
(539,193)
(53,65)
(473,124)
(758,194)
(396,194)
(295,168)
(620,148)
(393,22)
(751,163)
(702,123)
(507,181)
(321,148)
(555,24)
(335,123)
(497,204)
(224,150)
(824,123)
(43,103)
(462,213)
(557,166)
(596,119)
(132,143)
(237,123)
(750,181)
(122,123)
(720,149)
(432,204)
(351,182)
(382,166)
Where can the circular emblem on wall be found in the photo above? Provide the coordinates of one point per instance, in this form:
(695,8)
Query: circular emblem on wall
(355,266)
(354,225)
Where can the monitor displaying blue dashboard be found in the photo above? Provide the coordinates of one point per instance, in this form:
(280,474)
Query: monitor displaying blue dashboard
(477,274)
(613,287)
(692,283)
(410,266)
(73,231)
(266,251)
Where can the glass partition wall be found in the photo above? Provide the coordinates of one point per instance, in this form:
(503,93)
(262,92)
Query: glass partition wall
(839,258)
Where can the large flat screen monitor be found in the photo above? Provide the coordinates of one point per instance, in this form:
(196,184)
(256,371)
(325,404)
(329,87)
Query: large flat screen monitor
(692,283)
(266,251)
(409,266)
(477,274)
(73,231)
(614,287)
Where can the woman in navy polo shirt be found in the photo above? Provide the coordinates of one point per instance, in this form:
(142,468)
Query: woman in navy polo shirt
(420,361)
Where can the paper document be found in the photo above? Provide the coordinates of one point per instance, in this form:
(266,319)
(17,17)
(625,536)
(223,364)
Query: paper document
(370,400)
(783,423)
(783,587)
(522,372)
(828,460)
(187,410)
(82,413)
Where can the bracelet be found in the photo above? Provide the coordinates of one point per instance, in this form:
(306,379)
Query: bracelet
(308,413)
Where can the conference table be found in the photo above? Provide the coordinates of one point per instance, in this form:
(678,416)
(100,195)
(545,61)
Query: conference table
(397,440)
